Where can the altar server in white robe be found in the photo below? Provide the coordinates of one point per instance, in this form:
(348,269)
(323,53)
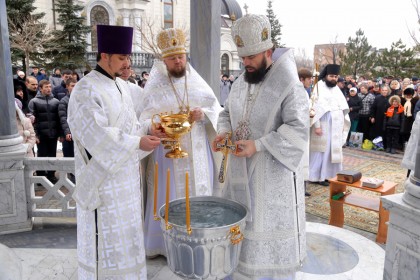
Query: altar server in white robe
(107,139)
(174,86)
(329,127)
(267,111)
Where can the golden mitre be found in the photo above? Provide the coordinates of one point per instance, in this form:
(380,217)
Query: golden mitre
(171,41)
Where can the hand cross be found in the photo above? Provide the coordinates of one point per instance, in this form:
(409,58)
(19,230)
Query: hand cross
(226,147)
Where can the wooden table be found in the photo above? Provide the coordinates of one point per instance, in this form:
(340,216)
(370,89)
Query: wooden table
(358,200)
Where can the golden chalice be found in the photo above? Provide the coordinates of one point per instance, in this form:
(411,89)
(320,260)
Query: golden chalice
(174,125)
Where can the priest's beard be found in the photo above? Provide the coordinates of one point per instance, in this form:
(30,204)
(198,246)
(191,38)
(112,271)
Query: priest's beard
(330,83)
(177,73)
(258,74)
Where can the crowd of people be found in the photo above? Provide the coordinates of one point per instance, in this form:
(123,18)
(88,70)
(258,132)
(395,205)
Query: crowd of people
(288,131)
(372,103)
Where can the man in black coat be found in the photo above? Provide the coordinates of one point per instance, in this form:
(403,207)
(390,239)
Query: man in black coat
(68,147)
(61,91)
(31,84)
(47,124)
(378,109)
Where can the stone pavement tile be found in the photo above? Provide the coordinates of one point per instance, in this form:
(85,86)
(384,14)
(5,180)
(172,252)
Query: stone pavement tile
(164,274)
(48,264)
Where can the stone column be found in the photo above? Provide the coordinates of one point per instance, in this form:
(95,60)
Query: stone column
(402,258)
(13,209)
(412,185)
(205,41)
(137,35)
(126,17)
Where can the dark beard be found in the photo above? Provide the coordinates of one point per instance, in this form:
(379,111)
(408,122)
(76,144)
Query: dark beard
(258,75)
(178,74)
(330,83)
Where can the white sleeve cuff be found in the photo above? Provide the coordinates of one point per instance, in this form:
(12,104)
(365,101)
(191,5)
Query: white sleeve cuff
(259,146)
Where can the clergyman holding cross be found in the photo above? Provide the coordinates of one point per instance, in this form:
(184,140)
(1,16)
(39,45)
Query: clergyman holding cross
(267,112)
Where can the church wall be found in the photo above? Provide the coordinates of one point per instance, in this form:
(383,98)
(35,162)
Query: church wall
(45,6)
(127,12)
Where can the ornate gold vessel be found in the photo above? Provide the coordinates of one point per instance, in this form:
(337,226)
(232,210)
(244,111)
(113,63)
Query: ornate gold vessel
(174,125)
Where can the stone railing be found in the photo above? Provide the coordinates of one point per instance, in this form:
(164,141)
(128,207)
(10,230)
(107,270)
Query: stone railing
(45,199)
(139,60)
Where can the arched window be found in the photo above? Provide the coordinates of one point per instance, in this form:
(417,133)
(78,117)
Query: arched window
(98,15)
(168,14)
(225,64)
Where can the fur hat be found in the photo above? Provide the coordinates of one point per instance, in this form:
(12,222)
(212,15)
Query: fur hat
(252,34)
(394,97)
(172,41)
(409,90)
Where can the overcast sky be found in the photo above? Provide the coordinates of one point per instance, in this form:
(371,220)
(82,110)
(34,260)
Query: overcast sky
(306,23)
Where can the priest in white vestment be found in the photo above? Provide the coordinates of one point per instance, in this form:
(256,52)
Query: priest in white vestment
(108,140)
(174,86)
(329,127)
(136,91)
(267,111)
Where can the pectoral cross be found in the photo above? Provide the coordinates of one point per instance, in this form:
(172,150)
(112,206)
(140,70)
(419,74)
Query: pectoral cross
(226,147)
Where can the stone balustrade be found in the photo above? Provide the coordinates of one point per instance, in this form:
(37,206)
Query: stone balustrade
(45,199)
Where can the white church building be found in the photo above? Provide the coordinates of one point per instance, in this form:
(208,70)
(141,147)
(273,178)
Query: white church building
(160,13)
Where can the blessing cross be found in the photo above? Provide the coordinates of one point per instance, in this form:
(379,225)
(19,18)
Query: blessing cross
(246,8)
(226,147)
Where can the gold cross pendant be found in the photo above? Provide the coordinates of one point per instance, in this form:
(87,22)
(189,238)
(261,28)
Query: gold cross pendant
(226,147)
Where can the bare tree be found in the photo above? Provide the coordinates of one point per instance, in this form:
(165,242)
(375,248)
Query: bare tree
(29,37)
(149,31)
(332,52)
(413,33)
(302,60)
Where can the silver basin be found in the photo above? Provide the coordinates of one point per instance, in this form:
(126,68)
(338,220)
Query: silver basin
(212,250)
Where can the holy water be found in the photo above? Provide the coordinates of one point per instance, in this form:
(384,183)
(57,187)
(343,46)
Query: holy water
(204,214)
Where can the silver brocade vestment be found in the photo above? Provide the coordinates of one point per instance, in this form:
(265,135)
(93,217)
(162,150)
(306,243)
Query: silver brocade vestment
(102,121)
(270,183)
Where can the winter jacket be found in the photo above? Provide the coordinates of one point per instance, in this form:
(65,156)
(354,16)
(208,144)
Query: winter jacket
(26,130)
(39,77)
(62,113)
(396,121)
(60,91)
(45,110)
(55,81)
(379,107)
(355,104)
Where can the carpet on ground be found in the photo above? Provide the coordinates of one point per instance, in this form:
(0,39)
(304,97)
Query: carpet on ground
(380,167)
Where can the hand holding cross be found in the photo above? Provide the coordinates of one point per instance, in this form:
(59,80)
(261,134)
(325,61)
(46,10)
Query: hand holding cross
(226,147)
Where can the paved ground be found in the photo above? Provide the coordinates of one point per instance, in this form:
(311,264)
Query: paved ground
(60,233)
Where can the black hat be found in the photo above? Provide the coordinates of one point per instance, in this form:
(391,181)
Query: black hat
(114,39)
(414,79)
(329,69)
(409,91)
(340,80)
